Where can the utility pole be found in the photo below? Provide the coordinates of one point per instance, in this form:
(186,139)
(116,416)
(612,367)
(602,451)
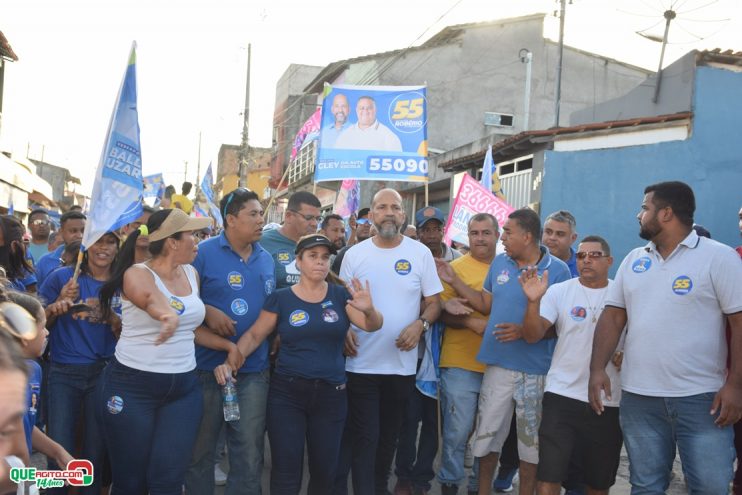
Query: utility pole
(527,58)
(562,13)
(669,16)
(245,148)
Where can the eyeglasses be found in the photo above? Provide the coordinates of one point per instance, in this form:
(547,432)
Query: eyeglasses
(17,321)
(40,222)
(308,218)
(590,254)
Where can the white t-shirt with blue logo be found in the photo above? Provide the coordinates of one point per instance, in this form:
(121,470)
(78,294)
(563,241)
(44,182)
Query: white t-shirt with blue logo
(675,341)
(399,278)
(575,309)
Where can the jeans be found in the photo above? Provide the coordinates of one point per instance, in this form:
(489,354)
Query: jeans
(376,404)
(72,397)
(653,426)
(150,422)
(245,438)
(416,464)
(459,399)
(300,409)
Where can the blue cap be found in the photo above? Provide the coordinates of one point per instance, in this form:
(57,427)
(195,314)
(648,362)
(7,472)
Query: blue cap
(429,213)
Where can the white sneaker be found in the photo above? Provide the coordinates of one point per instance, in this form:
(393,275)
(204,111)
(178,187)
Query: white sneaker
(220,477)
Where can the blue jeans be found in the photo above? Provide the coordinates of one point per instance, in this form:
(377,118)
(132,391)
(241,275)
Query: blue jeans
(459,400)
(72,396)
(300,409)
(150,422)
(653,426)
(245,438)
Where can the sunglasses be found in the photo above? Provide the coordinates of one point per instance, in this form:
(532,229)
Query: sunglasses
(590,254)
(231,196)
(40,222)
(362,221)
(17,321)
(308,218)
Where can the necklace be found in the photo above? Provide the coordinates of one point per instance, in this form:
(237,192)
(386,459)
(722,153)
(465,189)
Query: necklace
(594,309)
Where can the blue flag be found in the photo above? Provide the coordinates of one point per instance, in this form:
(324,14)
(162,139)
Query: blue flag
(490,178)
(206,188)
(118,188)
(154,187)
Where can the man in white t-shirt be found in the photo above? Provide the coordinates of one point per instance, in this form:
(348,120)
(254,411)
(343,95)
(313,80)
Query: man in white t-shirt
(567,423)
(674,296)
(381,369)
(368,133)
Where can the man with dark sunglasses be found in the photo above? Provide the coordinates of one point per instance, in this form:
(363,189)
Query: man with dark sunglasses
(302,218)
(40,227)
(569,428)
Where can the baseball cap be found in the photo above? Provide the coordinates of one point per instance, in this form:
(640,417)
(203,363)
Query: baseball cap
(312,240)
(178,221)
(429,213)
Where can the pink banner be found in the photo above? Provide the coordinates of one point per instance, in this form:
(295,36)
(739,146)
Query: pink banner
(310,130)
(471,199)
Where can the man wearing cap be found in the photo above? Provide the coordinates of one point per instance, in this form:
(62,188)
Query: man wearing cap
(381,366)
(236,275)
(430,222)
(302,218)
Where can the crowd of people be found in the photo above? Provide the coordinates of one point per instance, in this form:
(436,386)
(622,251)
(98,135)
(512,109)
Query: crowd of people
(546,368)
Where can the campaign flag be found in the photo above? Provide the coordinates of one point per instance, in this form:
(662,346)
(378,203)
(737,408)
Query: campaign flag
(490,177)
(472,198)
(117,192)
(348,199)
(373,133)
(154,187)
(308,132)
(208,191)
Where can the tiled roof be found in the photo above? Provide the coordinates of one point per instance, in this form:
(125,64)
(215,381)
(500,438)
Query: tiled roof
(6,50)
(530,139)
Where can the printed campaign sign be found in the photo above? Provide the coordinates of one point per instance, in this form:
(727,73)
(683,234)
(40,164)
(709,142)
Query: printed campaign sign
(471,199)
(373,133)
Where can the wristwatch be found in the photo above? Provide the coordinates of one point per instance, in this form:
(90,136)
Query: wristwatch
(426,324)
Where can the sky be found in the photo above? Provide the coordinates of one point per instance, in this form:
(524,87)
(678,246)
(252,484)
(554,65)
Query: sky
(192,61)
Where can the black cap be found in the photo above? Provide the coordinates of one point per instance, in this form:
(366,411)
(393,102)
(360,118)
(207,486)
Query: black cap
(310,241)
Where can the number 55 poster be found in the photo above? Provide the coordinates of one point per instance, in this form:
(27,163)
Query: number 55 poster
(373,133)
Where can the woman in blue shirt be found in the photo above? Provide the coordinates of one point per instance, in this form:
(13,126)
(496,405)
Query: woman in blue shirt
(81,342)
(307,397)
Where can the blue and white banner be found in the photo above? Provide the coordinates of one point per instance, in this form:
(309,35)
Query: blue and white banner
(206,188)
(118,188)
(373,133)
(154,187)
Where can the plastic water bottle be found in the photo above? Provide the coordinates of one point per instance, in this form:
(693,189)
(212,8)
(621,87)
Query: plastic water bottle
(231,406)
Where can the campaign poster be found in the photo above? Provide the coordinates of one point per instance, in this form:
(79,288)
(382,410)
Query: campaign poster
(373,133)
(471,199)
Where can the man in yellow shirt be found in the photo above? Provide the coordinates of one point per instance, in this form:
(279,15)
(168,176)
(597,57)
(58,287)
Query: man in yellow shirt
(181,200)
(461,373)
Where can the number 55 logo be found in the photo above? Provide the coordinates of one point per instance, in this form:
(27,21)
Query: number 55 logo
(84,467)
(407,112)
(408,109)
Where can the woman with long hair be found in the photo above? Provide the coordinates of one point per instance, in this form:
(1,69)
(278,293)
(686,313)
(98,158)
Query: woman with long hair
(81,341)
(307,398)
(13,257)
(149,401)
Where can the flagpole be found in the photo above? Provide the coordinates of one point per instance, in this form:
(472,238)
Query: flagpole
(426,194)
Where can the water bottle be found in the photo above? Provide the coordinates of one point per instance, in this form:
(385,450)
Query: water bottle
(231,406)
